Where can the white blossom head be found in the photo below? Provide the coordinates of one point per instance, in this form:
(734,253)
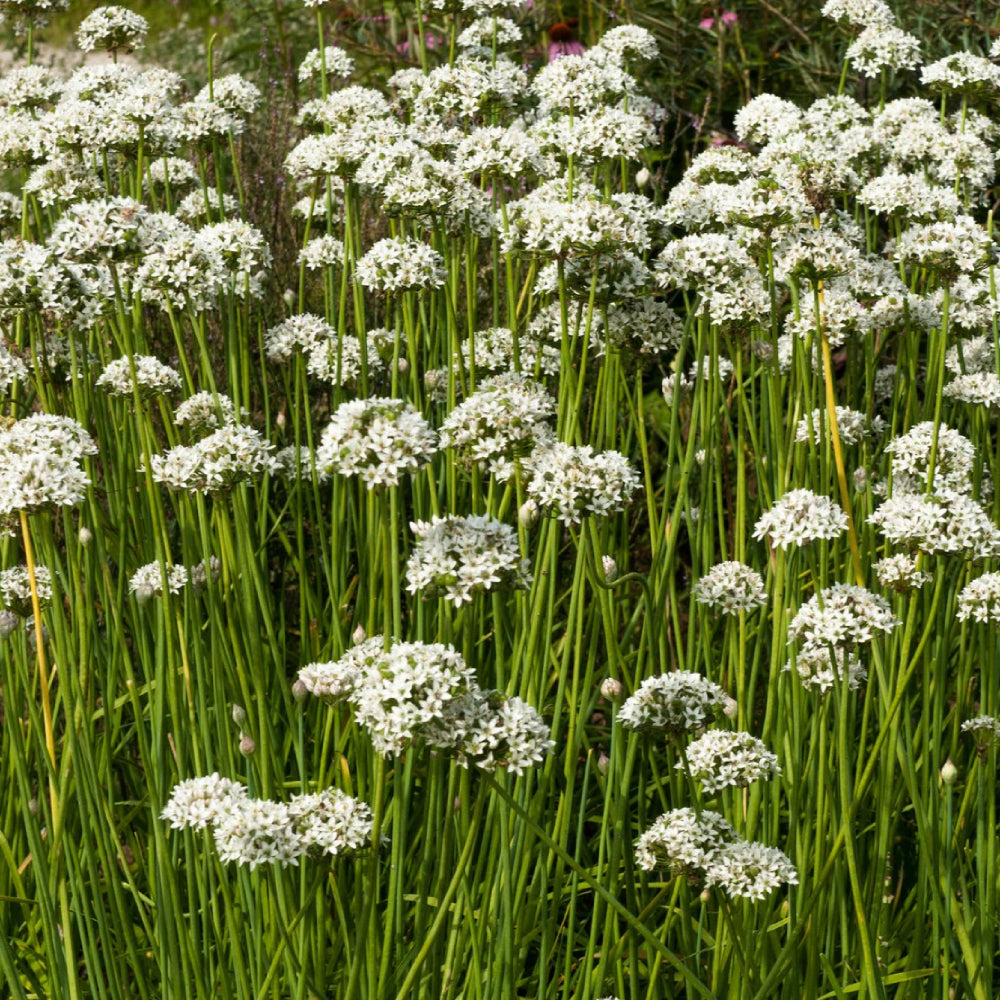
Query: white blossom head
(673,703)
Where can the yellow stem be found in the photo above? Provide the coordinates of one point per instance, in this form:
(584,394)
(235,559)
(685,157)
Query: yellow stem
(43,670)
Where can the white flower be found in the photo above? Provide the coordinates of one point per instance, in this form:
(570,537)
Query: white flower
(198,802)
(750,871)
(502,420)
(675,703)
(320,252)
(232,454)
(731,587)
(205,411)
(859,13)
(852,426)
(458,557)
(720,759)
(819,670)
(980,600)
(948,522)
(330,822)
(152,377)
(378,439)
(683,841)
(15,588)
(951,247)
(900,573)
(882,46)
(574,482)
(800,517)
(41,458)
(297,335)
(911,455)
(12,369)
(112,28)
(841,615)
(961,71)
(395,265)
(151,581)
(257,832)
(338,63)
(978,389)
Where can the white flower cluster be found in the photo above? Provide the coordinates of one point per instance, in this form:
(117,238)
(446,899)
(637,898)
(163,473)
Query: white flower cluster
(980,600)
(501,421)
(12,369)
(882,47)
(852,426)
(377,439)
(424,694)
(911,455)
(985,731)
(963,72)
(722,759)
(15,588)
(673,703)
(703,845)
(458,557)
(233,454)
(952,247)
(154,579)
(900,573)
(256,832)
(152,377)
(731,587)
(332,60)
(321,251)
(41,458)
(840,616)
(112,28)
(298,334)
(205,411)
(819,668)
(398,265)
(947,522)
(800,517)
(574,482)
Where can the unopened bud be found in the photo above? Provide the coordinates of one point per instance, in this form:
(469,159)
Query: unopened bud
(289,297)
(611,688)
(602,763)
(144,594)
(33,806)
(239,716)
(403,366)
(527,514)
(247,746)
(642,178)
(610,568)
(281,419)
(860,478)
(85,536)
(762,350)
(949,773)
(359,635)
(299,691)
(706,894)
(731,708)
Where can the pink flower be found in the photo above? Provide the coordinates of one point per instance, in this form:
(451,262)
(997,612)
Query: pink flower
(570,48)
(727,20)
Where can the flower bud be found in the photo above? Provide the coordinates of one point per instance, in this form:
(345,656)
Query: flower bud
(281,419)
(642,178)
(731,709)
(299,691)
(359,635)
(85,536)
(602,763)
(860,478)
(762,350)
(239,715)
(247,745)
(289,297)
(610,568)
(403,366)
(611,689)
(527,514)
(949,773)
(706,894)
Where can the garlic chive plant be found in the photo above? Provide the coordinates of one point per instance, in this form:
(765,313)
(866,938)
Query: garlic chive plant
(516,562)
